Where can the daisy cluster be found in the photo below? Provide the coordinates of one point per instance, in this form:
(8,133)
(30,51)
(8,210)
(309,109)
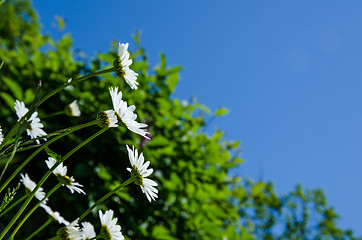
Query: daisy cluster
(109,229)
(139,170)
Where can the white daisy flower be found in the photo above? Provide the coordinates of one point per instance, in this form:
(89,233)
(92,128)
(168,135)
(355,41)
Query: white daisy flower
(72,109)
(61,173)
(70,232)
(35,130)
(110,230)
(35,127)
(121,65)
(107,119)
(30,186)
(140,172)
(88,231)
(1,136)
(54,215)
(20,109)
(126,113)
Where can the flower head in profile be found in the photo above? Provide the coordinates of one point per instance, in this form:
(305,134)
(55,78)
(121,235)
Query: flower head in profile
(30,186)
(126,113)
(121,65)
(110,230)
(1,136)
(72,109)
(20,109)
(54,215)
(107,119)
(61,173)
(70,232)
(140,172)
(87,231)
(35,128)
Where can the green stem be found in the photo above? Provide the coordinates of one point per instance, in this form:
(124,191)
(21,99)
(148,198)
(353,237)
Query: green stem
(15,127)
(66,132)
(50,220)
(13,152)
(9,159)
(131,179)
(54,238)
(83,143)
(48,135)
(13,205)
(45,177)
(52,115)
(33,209)
(20,150)
(74,82)
(12,132)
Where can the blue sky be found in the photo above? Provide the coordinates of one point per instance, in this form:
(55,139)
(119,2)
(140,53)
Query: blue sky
(290,72)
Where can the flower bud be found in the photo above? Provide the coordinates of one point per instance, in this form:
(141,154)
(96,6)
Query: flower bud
(72,109)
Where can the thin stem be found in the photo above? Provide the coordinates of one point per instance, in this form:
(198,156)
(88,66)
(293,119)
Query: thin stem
(50,220)
(50,135)
(53,114)
(83,143)
(54,238)
(66,132)
(45,177)
(9,159)
(74,82)
(13,205)
(27,201)
(12,132)
(33,209)
(13,152)
(131,179)
(20,150)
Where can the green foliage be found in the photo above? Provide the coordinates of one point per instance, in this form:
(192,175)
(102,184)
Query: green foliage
(197,197)
(9,196)
(299,214)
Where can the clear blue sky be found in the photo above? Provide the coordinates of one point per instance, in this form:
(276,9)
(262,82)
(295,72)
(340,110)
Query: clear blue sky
(290,72)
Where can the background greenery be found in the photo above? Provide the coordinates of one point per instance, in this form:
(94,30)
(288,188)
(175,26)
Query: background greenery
(197,197)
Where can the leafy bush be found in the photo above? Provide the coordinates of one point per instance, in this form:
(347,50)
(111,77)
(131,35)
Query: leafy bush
(197,197)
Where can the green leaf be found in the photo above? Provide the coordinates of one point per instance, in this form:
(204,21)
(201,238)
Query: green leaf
(14,88)
(162,233)
(172,81)
(60,21)
(158,141)
(139,66)
(8,99)
(173,70)
(53,154)
(221,111)
(162,62)
(29,95)
(103,173)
